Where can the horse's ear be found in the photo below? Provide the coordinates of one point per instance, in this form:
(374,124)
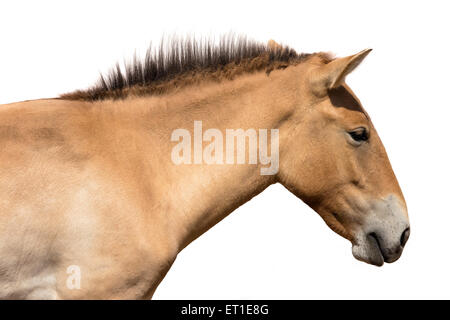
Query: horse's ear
(273,45)
(332,74)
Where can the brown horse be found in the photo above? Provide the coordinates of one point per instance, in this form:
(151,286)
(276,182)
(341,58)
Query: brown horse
(93,204)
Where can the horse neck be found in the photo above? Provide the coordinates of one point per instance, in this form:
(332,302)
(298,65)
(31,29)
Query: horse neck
(197,196)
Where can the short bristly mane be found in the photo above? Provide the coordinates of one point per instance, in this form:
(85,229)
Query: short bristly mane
(181,62)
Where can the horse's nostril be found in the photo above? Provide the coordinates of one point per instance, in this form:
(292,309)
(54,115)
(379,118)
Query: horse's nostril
(404,237)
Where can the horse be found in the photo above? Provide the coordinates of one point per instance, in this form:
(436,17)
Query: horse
(99,193)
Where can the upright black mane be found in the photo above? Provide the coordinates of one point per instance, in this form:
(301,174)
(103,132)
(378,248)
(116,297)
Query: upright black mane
(184,59)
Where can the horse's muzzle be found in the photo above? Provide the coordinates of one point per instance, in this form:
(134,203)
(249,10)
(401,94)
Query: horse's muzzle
(393,252)
(384,233)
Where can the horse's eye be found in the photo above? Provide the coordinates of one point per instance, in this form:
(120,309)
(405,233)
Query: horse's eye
(359,134)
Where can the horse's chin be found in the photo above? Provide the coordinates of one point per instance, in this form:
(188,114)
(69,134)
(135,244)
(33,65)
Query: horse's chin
(368,251)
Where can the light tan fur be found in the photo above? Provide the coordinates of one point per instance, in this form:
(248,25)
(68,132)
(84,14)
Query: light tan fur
(92,184)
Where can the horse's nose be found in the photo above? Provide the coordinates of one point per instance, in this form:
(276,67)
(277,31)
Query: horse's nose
(405,236)
(389,245)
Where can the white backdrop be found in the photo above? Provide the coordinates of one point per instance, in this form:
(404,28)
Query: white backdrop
(275,246)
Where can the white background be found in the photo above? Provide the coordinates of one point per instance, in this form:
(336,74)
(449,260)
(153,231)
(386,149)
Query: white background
(275,246)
